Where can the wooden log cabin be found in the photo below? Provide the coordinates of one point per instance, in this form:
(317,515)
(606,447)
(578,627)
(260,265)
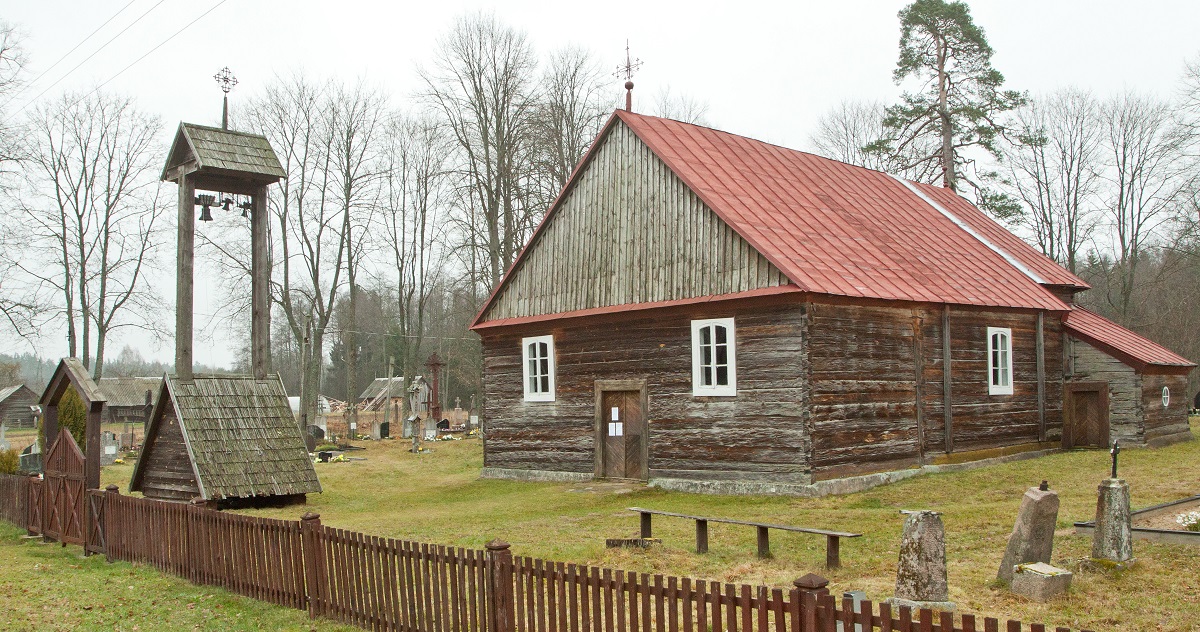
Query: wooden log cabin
(708,312)
(230,440)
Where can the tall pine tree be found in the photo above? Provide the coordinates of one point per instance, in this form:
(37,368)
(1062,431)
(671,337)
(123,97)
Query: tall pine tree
(959,103)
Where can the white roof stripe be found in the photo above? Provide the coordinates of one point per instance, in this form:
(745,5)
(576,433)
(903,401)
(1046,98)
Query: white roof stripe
(971,231)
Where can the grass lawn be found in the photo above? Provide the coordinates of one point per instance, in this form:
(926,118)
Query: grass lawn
(51,587)
(439,498)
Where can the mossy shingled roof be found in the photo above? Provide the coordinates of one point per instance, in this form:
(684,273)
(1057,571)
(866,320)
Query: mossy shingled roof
(242,436)
(213,148)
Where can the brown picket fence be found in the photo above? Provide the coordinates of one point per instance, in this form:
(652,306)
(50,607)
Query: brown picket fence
(385,584)
(14,499)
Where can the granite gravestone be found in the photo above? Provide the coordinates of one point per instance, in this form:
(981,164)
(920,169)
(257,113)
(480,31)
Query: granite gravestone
(1032,538)
(921,575)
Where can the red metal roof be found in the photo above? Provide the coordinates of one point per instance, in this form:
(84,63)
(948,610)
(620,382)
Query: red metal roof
(835,228)
(1128,346)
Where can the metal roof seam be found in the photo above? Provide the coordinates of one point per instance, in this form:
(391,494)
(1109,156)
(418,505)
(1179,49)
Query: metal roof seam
(971,231)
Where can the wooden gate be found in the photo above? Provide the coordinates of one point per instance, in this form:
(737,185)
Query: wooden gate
(1085,415)
(63,491)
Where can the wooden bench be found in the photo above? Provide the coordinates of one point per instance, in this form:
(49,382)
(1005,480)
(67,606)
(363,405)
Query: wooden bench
(832,538)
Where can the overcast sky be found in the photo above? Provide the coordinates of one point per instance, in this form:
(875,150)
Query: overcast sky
(765,69)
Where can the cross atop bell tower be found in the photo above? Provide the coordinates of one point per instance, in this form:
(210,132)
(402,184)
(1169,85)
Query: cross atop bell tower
(227,81)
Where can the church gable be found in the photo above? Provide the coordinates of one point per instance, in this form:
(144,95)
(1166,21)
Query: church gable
(628,231)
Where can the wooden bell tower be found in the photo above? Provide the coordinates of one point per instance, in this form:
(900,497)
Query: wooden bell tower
(233,170)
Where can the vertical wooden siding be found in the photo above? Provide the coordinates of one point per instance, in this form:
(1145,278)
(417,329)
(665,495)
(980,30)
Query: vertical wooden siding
(630,231)
(761,433)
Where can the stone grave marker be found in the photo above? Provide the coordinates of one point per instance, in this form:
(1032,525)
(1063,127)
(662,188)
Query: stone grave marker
(1032,538)
(3,441)
(921,575)
(109,445)
(1112,539)
(1040,582)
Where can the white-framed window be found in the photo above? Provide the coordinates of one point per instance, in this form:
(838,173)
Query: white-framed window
(1000,375)
(714,358)
(537,368)
(1166,396)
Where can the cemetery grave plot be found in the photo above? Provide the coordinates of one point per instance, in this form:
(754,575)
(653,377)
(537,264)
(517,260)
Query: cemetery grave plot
(1164,517)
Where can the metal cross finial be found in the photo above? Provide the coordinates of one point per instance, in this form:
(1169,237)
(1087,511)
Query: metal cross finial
(627,69)
(225,79)
(630,66)
(1116,449)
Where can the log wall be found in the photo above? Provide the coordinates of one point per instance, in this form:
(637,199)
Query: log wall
(168,472)
(864,381)
(761,434)
(870,363)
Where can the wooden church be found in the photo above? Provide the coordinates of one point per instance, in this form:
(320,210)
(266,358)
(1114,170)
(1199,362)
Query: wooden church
(709,312)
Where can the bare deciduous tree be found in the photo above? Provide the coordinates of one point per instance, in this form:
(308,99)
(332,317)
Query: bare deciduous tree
(680,107)
(1147,176)
(1054,168)
(92,199)
(416,195)
(572,105)
(480,85)
(844,133)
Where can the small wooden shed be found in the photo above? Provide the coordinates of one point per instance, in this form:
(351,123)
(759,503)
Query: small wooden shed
(127,397)
(1121,386)
(229,439)
(15,403)
(383,391)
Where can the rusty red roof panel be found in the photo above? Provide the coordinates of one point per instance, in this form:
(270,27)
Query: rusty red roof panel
(1095,328)
(835,228)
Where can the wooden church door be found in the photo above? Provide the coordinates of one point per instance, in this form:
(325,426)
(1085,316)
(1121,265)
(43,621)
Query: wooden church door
(1086,415)
(623,435)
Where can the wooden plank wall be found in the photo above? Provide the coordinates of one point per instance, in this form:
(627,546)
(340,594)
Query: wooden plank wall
(869,364)
(864,412)
(762,434)
(168,472)
(1125,400)
(1159,422)
(983,421)
(630,231)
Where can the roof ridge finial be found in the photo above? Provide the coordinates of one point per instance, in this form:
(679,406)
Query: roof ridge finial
(627,69)
(227,81)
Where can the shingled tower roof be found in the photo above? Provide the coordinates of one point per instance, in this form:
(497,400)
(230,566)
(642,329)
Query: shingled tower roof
(212,152)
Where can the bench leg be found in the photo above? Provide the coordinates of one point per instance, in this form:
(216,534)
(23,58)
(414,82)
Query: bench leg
(702,536)
(832,551)
(764,543)
(646,529)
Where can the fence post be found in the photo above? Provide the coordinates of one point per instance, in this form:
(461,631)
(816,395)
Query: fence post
(314,562)
(30,507)
(500,586)
(812,588)
(106,509)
